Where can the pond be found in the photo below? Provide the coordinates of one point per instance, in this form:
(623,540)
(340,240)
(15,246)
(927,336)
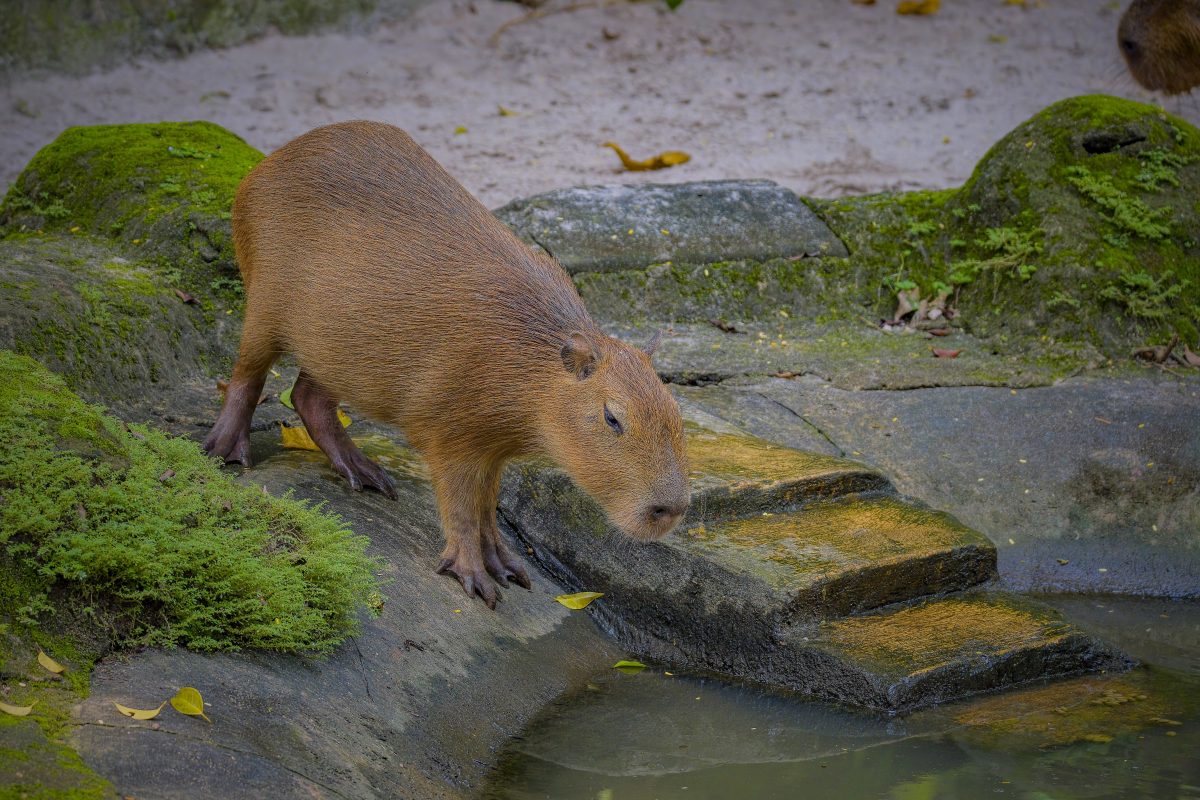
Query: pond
(656,735)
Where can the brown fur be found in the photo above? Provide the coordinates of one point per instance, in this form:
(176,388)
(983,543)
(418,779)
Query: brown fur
(401,294)
(1160,40)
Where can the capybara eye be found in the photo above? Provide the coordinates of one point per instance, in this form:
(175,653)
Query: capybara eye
(1129,46)
(612,421)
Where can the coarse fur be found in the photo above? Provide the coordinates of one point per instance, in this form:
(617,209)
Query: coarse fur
(1160,40)
(401,294)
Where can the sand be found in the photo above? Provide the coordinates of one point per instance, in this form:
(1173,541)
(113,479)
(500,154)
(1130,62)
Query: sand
(824,96)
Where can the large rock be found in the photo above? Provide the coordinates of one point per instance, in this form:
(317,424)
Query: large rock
(608,228)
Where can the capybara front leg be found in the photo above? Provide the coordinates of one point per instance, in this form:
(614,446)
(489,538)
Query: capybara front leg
(458,490)
(318,409)
(500,562)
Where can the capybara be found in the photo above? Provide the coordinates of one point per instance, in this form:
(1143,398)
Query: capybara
(398,292)
(1160,40)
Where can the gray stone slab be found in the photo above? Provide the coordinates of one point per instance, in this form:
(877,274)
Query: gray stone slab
(614,227)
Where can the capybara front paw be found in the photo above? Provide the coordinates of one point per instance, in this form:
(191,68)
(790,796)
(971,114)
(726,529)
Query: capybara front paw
(472,577)
(503,565)
(232,446)
(360,471)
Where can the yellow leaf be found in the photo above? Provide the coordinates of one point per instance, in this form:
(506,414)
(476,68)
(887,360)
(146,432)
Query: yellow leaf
(188,701)
(344,418)
(918,7)
(629,667)
(16,711)
(460,129)
(296,438)
(507,112)
(579,599)
(668,159)
(138,713)
(50,664)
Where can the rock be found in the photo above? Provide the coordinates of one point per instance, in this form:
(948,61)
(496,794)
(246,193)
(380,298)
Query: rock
(162,192)
(609,228)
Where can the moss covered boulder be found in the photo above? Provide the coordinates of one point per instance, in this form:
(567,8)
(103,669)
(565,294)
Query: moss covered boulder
(1079,225)
(162,191)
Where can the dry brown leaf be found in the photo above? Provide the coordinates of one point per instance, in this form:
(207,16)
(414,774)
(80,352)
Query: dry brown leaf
(185,297)
(918,7)
(669,158)
(940,353)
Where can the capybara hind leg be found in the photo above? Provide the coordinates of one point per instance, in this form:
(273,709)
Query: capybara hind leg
(318,409)
(500,562)
(458,490)
(230,436)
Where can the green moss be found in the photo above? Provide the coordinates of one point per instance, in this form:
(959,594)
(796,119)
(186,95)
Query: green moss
(163,190)
(141,526)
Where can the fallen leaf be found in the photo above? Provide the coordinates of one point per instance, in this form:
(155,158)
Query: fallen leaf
(939,331)
(670,158)
(16,711)
(579,599)
(722,325)
(918,7)
(138,713)
(50,664)
(1191,358)
(785,374)
(1063,561)
(286,397)
(940,353)
(188,701)
(506,112)
(460,130)
(185,297)
(296,438)
(166,476)
(344,418)
(629,667)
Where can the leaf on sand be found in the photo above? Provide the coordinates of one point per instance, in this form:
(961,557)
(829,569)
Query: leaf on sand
(188,701)
(629,667)
(579,599)
(918,7)
(661,161)
(940,353)
(138,713)
(16,711)
(50,664)
(296,438)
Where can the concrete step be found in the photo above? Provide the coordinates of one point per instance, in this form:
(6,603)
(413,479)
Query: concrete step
(844,556)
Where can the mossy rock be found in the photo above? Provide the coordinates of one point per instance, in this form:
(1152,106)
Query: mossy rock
(107,324)
(147,532)
(163,191)
(1079,225)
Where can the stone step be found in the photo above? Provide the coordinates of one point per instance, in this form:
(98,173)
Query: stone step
(940,649)
(840,557)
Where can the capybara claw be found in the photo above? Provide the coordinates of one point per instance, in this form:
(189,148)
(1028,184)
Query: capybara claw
(473,582)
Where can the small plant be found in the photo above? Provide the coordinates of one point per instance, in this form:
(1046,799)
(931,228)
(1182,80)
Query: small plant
(1143,295)
(1061,299)
(1128,214)
(1160,166)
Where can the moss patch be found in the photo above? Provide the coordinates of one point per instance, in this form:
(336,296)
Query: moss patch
(134,523)
(163,190)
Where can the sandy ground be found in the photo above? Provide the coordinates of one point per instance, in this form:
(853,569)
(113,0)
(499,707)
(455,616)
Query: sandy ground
(825,96)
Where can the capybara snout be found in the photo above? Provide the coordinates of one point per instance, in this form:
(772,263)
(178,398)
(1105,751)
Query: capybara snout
(1160,41)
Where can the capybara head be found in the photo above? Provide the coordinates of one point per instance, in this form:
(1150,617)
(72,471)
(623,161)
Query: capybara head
(617,430)
(1160,40)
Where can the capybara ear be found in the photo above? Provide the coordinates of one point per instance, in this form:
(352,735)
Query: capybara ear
(652,345)
(579,356)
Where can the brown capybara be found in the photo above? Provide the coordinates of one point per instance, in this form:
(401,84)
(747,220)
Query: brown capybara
(401,294)
(1160,40)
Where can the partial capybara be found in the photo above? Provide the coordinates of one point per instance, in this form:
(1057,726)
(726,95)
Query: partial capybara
(1160,40)
(401,294)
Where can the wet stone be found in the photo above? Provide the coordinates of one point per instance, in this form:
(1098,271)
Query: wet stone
(613,227)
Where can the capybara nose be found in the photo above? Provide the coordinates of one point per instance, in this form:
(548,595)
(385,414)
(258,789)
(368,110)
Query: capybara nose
(665,513)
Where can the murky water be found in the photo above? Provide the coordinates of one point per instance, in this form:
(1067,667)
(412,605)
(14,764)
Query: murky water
(654,735)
